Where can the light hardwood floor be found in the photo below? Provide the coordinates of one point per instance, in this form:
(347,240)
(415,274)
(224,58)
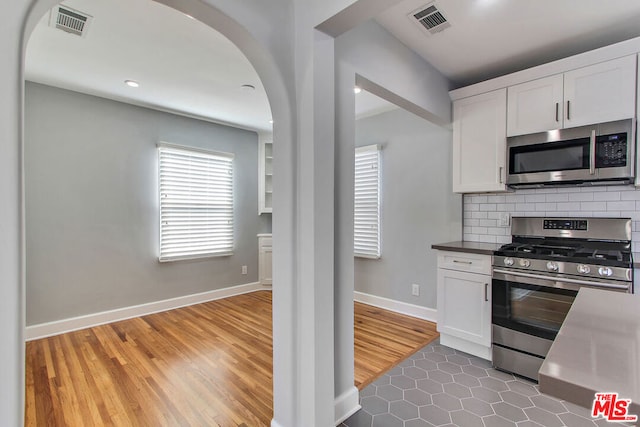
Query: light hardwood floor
(205,365)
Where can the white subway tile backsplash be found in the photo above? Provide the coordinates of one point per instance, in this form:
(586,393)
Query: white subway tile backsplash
(487,206)
(543,207)
(525,207)
(630,195)
(557,197)
(483,212)
(580,197)
(497,231)
(593,206)
(479,215)
(629,205)
(496,199)
(569,206)
(611,214)
(534,198)
(608,196)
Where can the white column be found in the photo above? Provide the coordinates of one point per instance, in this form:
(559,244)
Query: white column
(11,251)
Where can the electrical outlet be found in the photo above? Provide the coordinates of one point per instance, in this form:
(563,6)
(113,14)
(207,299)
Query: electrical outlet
(244,269)
(505,219)
(415,290)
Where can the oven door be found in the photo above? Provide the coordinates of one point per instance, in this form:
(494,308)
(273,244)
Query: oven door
(533,306)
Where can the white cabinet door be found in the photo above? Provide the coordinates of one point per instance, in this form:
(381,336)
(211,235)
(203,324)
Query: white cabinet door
(600,93)
(464,306)
(479,142)
(265,252)
(535,106)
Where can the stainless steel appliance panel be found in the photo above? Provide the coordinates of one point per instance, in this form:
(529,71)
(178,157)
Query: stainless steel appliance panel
(525,342)
(596,228)
(574,153)
(516,362)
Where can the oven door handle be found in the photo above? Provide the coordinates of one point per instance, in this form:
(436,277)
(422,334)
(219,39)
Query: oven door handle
(564,279)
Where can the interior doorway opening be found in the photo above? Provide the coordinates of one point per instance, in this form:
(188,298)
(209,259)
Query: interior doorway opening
(94,204)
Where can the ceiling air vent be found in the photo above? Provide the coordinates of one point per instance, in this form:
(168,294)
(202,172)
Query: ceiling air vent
(70,20)
(430,18)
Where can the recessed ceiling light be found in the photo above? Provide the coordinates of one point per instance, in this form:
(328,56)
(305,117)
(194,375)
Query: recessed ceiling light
(248,88)
(271,121)
(131,83)
(357,89)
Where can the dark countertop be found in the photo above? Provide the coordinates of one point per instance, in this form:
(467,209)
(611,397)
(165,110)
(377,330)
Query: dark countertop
(596,350)
(468,247)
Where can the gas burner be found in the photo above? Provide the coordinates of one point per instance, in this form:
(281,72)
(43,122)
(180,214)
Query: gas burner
(600,254)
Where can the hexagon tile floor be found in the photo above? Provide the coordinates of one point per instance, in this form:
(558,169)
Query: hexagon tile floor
(439,386)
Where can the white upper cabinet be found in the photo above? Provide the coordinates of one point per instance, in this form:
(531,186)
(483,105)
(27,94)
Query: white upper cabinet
(535,106)
(479,142)
(599,93)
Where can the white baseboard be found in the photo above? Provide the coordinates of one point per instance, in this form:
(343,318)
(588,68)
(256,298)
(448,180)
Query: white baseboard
(413,310)
(466,346)
(346,404)
(57,327)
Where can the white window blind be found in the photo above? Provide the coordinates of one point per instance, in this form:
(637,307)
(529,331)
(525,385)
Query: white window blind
(196,203)
(367,202)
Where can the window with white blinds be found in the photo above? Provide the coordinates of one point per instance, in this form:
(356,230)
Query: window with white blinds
(196,203)
(367,202)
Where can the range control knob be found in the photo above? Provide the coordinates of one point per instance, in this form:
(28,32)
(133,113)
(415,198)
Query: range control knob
(552,266)
(508,261)
(583,269)
(605,271)
(524,263)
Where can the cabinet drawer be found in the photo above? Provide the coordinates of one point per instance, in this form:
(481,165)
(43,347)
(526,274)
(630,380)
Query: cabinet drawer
(462,261)
(264,242)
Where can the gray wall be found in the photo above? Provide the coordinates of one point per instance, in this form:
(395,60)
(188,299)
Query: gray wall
(92,210)
(373,53)
(418,206)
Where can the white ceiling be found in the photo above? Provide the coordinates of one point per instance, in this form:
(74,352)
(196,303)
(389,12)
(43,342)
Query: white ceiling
(184,66)
(489,38)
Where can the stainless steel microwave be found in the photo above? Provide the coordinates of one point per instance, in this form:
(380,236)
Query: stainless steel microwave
(588,155)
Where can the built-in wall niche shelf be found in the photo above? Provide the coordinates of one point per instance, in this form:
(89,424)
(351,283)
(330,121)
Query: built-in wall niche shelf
(265,174)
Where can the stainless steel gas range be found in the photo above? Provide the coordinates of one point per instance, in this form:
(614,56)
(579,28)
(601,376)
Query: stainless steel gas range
(538,275)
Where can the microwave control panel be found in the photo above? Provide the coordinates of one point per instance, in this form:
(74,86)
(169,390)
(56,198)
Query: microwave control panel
(611,150)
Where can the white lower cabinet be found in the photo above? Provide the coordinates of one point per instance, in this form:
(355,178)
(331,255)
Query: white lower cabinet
(464,302)
(265,251)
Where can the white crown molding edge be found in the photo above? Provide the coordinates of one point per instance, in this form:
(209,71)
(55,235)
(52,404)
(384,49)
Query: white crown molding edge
(57,327)
(413,310)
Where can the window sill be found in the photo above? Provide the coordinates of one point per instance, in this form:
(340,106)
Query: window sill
(194,257)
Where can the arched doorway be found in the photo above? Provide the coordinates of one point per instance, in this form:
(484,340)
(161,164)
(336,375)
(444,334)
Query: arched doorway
(272,77)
